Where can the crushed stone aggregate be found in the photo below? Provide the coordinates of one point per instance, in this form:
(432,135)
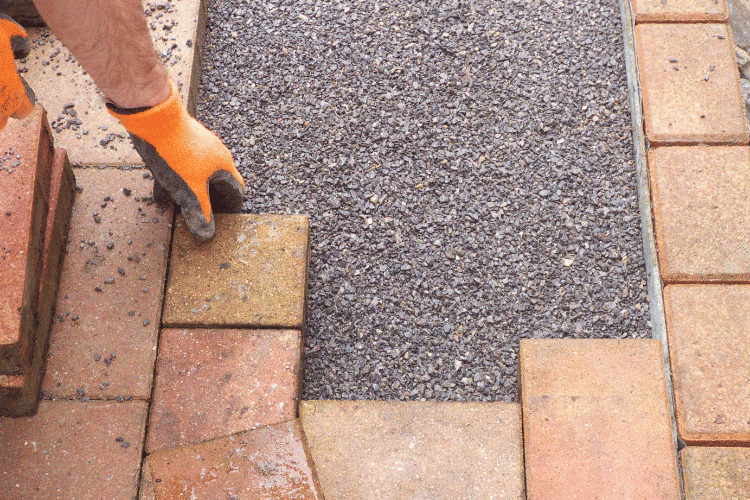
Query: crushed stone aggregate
(468,170)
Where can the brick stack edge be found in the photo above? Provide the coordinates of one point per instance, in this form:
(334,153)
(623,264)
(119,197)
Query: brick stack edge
(37,188)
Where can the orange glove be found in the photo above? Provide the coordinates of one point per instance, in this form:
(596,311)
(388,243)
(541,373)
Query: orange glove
(185,157)
(16,98)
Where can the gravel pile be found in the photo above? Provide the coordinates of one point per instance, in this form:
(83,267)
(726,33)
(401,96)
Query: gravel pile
(468,169)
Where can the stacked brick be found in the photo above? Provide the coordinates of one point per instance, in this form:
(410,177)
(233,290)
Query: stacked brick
(698,158)
(36,195)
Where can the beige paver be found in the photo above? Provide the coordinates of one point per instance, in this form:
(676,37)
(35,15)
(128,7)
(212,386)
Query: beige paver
(396,450)
(19,394)
(596,420)
(680,11)
(103,341)
(690,84)
(58,81)
(211,383)
(271,463)
(701,204)
(708,327)
(252,274)
(716,473)
(73,450)
(25,170)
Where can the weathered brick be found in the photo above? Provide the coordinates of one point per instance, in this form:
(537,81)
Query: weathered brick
(19,394)
(103,341)
(708,327)
(212,383)
(270,462)
(396,450)
(690,85)
(252,274)
(25,170)
(59,81)
(701,205)
(596,420)
(716,473)
(681,11)
(72,450)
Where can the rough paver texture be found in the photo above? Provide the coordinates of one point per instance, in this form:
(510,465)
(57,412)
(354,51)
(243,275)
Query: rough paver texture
(715,473)
(690,84)
(211,383)
(76,108)
(701,205)
(683,11)
(25,170)
(395,450)
(596,420)
(271,463)
(103,339)
(252,274)
(708,327)
(468,170)
(73,450)
(19,394)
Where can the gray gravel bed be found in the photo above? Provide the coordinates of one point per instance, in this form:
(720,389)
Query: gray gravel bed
(468,170)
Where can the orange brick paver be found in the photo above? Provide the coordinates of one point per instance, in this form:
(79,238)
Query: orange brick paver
(252,274)
(690,84)
(211,383)
(271,463)
(103,341)
(716,473)
(73,450)
(25,170)
(596,420)
(708,327)
(384,450)
(701,203)
(684,11)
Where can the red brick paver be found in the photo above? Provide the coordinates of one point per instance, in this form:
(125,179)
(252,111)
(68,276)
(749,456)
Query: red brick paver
(25,170)
(708,327)
(690,84)
(19,394)
(385,450)
(212,383)
(716,473)
(72,450)
(683,11)
(596,420)
(252,274)
(103,341)
(271,463)
(701,200)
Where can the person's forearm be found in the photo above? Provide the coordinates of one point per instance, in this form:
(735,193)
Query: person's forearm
(110,39)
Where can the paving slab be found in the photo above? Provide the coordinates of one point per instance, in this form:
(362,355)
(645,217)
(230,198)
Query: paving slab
(252,274)
(25,169)
(680,11)
(397,450)
(708,327)
(73,450)
(715,473)
(19,394)
(270,462)
(701,206)
(63,87)
(596,420)
(211,383)
(103,340)
(690,85)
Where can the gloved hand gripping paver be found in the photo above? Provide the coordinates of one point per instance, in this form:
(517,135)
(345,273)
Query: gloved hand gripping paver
(16,97)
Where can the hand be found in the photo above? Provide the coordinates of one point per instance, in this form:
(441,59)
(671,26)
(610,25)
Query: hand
(16,98)
(185,157)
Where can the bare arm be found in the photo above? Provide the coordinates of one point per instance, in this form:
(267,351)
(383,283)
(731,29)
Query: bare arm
(110,39)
